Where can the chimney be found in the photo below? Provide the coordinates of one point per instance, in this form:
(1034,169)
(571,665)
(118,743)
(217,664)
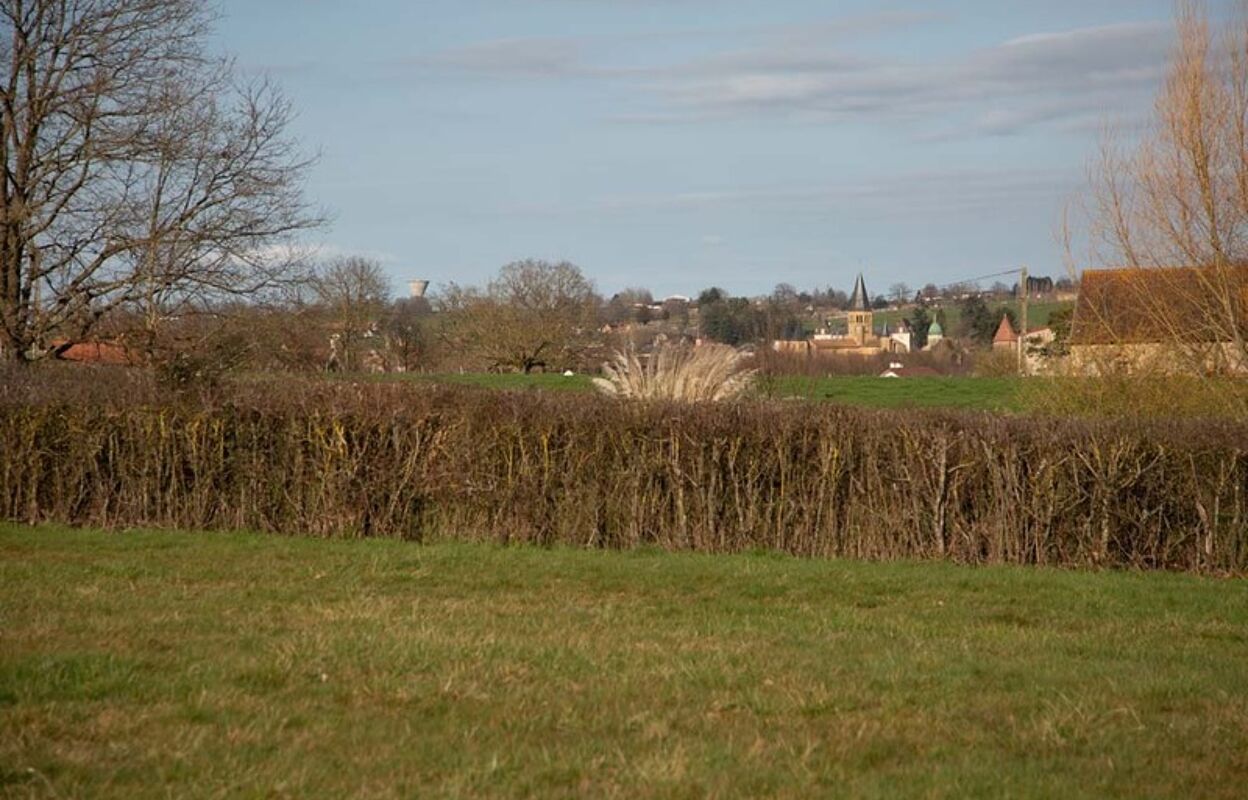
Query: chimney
(417,288)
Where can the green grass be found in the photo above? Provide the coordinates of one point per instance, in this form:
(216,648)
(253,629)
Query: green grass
(549,381)
(173,664)
(984,394)
(988,394)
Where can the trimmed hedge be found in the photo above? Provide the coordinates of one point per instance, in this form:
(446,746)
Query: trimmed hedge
(813,480)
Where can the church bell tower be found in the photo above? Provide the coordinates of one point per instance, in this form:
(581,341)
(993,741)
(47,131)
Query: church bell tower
(861,318)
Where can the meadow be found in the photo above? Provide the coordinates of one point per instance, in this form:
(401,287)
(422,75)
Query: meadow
(148,664)
(1116,397)
(984,394)
(511,381)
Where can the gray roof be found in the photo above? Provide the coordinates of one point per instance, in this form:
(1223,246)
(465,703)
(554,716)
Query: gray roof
(859,300)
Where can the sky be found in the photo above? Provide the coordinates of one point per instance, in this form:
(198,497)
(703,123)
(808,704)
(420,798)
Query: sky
(679,144)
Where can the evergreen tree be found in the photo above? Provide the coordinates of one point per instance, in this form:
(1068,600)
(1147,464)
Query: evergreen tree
(979,323)
(920,322)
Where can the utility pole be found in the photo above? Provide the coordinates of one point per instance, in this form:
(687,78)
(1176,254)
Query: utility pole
(1022,320)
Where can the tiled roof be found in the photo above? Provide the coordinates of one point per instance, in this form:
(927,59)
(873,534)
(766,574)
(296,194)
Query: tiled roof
(97,353)
(1140,305)
(840,343)
(1005,332)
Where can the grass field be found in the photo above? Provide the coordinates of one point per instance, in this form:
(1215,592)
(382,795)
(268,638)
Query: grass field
(984,394)
(513,380)
(171,664)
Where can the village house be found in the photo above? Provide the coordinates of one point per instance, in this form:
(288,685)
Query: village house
(1033,344)
(1161,320)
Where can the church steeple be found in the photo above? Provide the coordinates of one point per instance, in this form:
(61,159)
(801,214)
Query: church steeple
(859,301)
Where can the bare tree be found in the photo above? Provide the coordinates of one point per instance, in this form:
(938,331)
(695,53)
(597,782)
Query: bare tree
(406,328)
(785,295)
(534,313)
(633,296)
(1179,198)
(630,304)
(899,292)
(355,292)
(139,171)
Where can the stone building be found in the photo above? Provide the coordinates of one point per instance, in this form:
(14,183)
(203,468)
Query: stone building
(860,338)
(1161,320)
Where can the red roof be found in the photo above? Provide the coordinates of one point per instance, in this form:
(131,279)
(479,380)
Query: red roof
(96,353)
(1005,332)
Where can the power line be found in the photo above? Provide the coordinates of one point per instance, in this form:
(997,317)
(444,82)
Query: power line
(943,287)
(1014,271)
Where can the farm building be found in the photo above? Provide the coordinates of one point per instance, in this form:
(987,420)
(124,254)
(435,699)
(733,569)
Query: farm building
(1161,320)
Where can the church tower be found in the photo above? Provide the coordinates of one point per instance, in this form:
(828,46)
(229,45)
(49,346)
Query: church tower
(861,319)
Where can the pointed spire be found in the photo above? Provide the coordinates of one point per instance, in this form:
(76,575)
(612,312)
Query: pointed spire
(1005,332)
(859,301)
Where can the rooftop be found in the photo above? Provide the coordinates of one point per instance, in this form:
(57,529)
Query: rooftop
(1139,305)
(1005,332)
(859,300)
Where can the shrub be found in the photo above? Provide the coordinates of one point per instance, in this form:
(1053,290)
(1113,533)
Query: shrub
(340,459)
(1147,396)
(996,363)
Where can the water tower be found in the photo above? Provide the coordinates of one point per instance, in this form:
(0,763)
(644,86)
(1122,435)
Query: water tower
(417,288)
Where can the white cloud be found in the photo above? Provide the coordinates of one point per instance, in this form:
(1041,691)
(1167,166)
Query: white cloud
(1059,79)
(1030,80)
(581,56)
(327,250)
(927,193)
(532,57)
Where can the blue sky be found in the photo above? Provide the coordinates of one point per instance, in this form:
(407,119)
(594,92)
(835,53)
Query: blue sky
(685,143)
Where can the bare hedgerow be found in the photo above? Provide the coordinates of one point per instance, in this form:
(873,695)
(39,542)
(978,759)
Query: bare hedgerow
(677,372)
(112,448)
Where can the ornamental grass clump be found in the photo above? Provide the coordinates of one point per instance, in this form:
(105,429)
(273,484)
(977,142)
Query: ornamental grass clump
(677,372)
